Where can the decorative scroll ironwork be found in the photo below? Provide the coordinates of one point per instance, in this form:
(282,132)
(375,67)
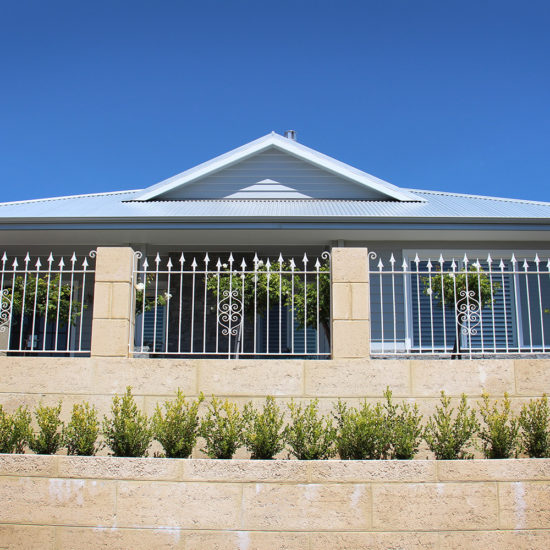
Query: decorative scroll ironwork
(230,312)
(468,312)
(5,308)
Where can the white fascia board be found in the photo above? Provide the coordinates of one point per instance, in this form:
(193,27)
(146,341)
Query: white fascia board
(293,148)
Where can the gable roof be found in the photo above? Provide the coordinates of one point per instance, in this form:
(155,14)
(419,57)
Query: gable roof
(289,146)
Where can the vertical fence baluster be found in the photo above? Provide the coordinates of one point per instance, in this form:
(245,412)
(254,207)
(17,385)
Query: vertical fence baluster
(205,299)
(292,268)
(429,266)
(82,298)
(392,263)
(490,268)
(515,278)
(193,280)
(168,296)
(49,274)
(444,317)
(502,267)
(280,261)
(526,275)
(218,267)
(243,302)
(317,267)
(255,314)
(381,283)
(305,261)
(36,280)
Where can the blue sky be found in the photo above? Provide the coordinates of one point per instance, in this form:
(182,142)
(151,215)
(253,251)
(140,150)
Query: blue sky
(101,96)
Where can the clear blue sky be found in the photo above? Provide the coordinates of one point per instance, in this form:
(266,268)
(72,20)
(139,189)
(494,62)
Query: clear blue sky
(106,95)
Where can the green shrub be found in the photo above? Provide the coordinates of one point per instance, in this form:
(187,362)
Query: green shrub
(263,430)
(177,429)
(449,436)
(404,428)
(535,423)
(6,445)
(81,433)
(128,432)
(222,429)
(15,430)
(500,435)
(49,438)
(310,436)
(21,429)
(362,433)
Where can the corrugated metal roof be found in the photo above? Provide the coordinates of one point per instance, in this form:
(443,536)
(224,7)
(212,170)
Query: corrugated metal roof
(120,205)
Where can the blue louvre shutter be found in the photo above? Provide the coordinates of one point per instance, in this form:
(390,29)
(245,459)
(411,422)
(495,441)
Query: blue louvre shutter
(148,323)
(432,327)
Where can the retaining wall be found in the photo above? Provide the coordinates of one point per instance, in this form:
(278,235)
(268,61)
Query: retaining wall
(59,502)
(27,380)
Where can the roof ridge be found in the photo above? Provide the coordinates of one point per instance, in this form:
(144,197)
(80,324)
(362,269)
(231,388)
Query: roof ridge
(63,197)
(482,197)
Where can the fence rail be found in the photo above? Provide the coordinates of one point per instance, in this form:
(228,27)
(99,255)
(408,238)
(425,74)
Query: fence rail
(460,306)
(46,304)
(235,306)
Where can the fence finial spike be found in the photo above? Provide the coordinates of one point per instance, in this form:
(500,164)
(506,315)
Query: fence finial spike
(292,264)
(231,259)
(169,264)
(404,264)
(453,265)
(416,259)
(38,263)
(4,258)
(392,260)
(525,264)
(182,259)
(73,258)
(268,264)
(465,259)
(489,259)
(305,260)
(145,264)
(537,259)
(243,264)
(429,265)
(157,259)
(255,259)
(15,263)
(85,263)
(548,264)
(194,264)
(206,258)
(317,264)
(441,259)
(280,259)
(61,263)
(27,258)
(513,259)
(219,263)
(380,265)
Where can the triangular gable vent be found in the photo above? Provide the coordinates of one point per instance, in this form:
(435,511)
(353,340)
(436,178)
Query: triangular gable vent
(274,167)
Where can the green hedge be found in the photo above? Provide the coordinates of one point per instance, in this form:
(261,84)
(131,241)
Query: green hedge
(385,430)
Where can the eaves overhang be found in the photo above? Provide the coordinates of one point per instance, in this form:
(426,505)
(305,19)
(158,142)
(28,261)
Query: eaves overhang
(298,222)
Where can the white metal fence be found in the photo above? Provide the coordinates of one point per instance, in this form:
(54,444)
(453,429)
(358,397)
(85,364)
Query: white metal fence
(441,304)
(46,304)
(235,306)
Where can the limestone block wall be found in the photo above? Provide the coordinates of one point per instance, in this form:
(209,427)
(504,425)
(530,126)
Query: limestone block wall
(58,502)
(28,380)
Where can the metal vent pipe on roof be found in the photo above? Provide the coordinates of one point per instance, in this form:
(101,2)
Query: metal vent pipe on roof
(290,134)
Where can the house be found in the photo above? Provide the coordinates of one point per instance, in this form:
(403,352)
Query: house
(278,203)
